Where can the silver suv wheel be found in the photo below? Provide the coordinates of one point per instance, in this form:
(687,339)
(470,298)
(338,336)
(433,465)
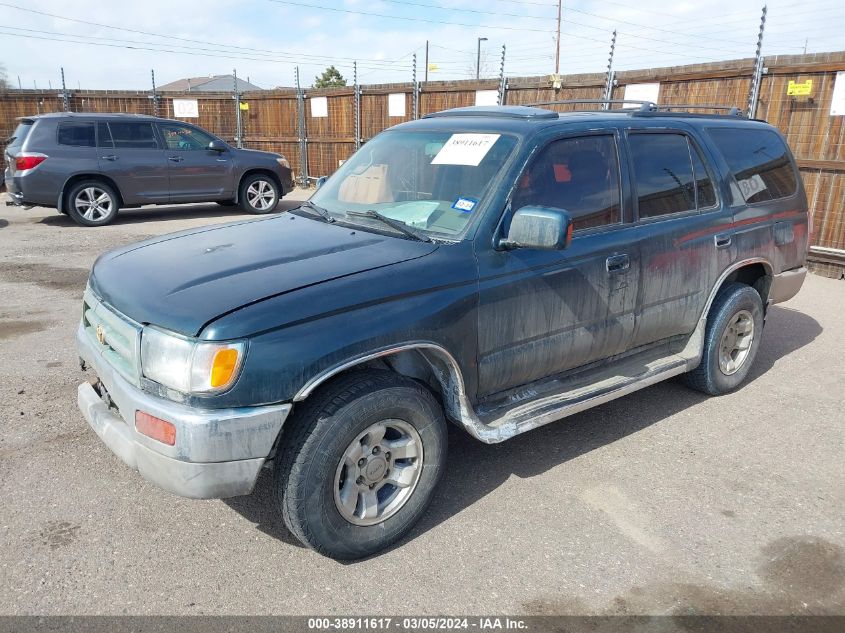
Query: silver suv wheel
(261,195)
(378,472)
(93,203)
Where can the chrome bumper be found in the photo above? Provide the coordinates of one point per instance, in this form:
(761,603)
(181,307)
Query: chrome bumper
(218,453)
(786,285)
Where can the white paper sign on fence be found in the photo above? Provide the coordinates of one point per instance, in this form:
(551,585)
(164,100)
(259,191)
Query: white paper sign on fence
(486,97)
(396,104)
(837,105)
(186,109)
(642,92)
(319,107)
(465,149)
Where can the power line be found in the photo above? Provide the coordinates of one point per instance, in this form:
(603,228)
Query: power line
(406,18)
(249,49)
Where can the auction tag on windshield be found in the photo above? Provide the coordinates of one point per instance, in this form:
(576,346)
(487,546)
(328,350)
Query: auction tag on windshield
(465,205)
(465,149)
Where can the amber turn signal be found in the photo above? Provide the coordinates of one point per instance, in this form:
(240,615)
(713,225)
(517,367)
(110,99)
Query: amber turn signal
(156,428)
(223,367)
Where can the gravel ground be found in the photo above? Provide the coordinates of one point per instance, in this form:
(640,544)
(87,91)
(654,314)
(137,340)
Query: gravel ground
(665,501)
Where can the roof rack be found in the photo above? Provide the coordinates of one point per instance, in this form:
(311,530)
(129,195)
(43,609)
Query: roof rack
(684,109)
(649,108)
(641,105)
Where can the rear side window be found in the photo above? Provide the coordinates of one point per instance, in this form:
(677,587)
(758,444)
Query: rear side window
(133,135)
(77,133)
(19,135)
(663,173)
(704,188)
(759,161)
(103,135)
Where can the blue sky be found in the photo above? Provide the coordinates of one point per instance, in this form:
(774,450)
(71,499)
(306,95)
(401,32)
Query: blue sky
(266,39)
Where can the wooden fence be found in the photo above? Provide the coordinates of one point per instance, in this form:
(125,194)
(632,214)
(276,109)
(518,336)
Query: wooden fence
(270,122)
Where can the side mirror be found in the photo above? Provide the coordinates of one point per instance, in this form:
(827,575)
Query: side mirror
(321,181)
(217,146)
(545,228)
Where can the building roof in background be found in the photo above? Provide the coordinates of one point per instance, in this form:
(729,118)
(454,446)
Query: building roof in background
(209,83)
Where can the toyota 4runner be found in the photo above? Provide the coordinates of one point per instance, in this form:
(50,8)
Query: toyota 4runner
(499,268)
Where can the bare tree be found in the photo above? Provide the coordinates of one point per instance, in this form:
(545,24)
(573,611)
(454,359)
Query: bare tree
(486,67)
(4,81)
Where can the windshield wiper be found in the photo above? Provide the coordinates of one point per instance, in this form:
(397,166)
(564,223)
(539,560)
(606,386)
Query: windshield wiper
(396,224)
(323,213)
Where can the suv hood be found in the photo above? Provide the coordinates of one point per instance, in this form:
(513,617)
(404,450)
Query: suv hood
(185,280)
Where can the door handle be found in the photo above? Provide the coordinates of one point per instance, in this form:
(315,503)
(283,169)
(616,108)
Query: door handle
(109,157)
(723,240)
(175,159)
(618,263)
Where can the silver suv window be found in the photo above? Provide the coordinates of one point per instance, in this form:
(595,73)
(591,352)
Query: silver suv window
(76,133)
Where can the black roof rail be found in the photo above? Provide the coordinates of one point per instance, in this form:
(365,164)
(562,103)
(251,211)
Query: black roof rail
(643,106)
(683,109)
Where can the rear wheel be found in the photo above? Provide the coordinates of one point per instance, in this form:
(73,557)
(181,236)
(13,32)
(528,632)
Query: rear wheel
(92,203)
(259,193)
(361,463)
(731,340)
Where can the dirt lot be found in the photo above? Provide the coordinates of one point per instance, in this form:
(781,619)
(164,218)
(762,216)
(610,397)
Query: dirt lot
(662,502)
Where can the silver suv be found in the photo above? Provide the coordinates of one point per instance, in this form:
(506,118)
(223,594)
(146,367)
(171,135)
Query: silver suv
(90,165)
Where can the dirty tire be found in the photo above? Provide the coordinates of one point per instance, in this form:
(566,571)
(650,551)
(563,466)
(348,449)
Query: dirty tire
(732,300)
(91,203)
(315,441)
(258,194)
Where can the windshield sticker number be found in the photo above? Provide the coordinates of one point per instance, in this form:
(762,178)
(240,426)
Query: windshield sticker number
(465,149)
(465,205)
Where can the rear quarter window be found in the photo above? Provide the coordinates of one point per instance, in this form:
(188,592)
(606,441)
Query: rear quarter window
(77,133)
(759,161)
(19,135)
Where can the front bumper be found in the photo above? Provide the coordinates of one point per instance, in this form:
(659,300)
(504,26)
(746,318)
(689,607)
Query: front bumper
(218,452)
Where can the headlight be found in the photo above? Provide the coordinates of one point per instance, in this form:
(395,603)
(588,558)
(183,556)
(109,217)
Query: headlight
(283,162)
(188,365)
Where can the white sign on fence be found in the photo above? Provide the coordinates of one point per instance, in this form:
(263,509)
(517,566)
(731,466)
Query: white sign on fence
(186,109)
(319,107)
(837,105)
(642,92)
(396,104)
(486,97)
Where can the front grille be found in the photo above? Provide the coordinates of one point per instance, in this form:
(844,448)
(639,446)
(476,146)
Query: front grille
(119,339)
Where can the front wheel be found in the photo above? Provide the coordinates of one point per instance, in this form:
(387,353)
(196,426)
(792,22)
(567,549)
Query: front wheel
(361,463)
(258,194)
(92,203)
(731,340)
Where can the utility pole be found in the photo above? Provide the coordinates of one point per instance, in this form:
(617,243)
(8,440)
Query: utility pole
(478,58)
(237,97)
(415,87)
(754,93)
(426,60)
(356,105)
(557,41)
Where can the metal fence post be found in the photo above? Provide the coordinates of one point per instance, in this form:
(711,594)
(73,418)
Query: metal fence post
(415,88)
(356,105)
(154,96)
(65,99)
(237,98)
(757,77)
(502,80)
(610,77)
(300,124)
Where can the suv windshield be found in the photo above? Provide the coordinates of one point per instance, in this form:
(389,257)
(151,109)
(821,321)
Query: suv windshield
(430,181)
(19,135)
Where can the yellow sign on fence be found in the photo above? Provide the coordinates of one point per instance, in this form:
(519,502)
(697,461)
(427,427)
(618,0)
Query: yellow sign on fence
(803,89)
(244,105)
